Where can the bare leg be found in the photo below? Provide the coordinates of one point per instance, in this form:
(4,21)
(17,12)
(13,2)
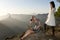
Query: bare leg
(28,32)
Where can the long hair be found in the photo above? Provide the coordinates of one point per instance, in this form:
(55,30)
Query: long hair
(53,4)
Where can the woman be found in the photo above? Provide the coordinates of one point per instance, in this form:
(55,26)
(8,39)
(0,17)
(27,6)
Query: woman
(51,18)
(34,27)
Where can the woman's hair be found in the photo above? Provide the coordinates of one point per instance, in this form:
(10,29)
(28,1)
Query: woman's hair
(53,4)
(30,19)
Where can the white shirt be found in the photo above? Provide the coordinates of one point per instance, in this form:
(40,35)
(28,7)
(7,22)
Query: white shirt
(51,18)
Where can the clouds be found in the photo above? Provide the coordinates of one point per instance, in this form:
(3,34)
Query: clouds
(22,10)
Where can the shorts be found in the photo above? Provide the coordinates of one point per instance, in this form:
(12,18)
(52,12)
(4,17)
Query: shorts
(36,30)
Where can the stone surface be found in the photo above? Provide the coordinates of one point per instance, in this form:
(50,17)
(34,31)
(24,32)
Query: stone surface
(39,36)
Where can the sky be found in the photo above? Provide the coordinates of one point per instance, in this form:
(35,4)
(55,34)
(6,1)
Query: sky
(25,6)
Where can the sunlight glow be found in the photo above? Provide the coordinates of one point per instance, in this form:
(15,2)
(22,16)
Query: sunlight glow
(23,7)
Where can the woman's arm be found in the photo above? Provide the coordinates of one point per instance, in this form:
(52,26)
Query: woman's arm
(37,26)
(54,10)
(29,26)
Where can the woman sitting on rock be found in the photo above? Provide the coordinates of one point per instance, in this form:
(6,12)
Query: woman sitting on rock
(34,27)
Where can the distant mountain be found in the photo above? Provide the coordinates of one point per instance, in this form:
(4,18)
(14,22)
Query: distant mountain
(26,18)
(42,17)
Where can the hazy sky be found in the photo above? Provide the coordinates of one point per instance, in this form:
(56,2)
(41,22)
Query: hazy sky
(25,6)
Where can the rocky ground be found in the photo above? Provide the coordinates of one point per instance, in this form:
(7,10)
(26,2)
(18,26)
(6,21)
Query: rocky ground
(39,36)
